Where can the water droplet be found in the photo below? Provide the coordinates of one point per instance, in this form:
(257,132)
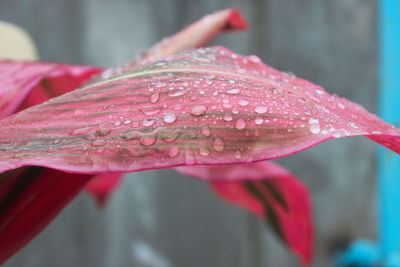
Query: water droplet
(227,117)
(198,110)
(147,140)
(170,137)
(100,150)
(336,135)
(315,128)
(148,122)
(240,124)
(160,63)
(261,109)
(103,132)
(233,91)
(169,117)
(243,102)
(204,151)
(177,93)
(173,152)
(154,97)
(237,155)
(218,144)
(159,84)
(254,59)
(127,121)
(178,107)
(353,125)
(227,105)
(189,157)
(206,131)
(258,121)
(150,110)
(99,143)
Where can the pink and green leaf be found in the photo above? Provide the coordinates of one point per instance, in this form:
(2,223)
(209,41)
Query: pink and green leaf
(270,192)
(205,106)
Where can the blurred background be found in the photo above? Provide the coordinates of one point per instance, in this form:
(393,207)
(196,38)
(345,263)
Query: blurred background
(163,219)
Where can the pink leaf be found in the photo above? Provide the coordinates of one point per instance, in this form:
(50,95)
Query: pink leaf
(101,186)
(269,191)
(198,34)
(23,84)
(205,106)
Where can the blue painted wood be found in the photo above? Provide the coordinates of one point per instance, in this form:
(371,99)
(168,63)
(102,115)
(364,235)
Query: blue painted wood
(389,109)
(387,251)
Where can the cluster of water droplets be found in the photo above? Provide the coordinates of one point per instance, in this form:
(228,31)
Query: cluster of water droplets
(210,103)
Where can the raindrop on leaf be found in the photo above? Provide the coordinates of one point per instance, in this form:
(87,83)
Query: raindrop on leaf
(169,117)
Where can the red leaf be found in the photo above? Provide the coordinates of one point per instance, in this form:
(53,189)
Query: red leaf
(30,198)
(268,191)
(101,186)
(205,106)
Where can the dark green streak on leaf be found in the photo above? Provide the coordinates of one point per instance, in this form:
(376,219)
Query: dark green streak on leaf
(271,217)
(47,88)
(276,194)
(27,177)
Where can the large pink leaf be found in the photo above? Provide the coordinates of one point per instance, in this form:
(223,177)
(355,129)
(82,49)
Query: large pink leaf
(269,191)
(205,106)
(36,82)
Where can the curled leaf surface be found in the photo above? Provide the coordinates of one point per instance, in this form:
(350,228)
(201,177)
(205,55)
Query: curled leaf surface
(203,106)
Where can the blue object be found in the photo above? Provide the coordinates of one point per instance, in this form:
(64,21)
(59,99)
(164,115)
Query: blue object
(387,252)
(360,253)
(389,109)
